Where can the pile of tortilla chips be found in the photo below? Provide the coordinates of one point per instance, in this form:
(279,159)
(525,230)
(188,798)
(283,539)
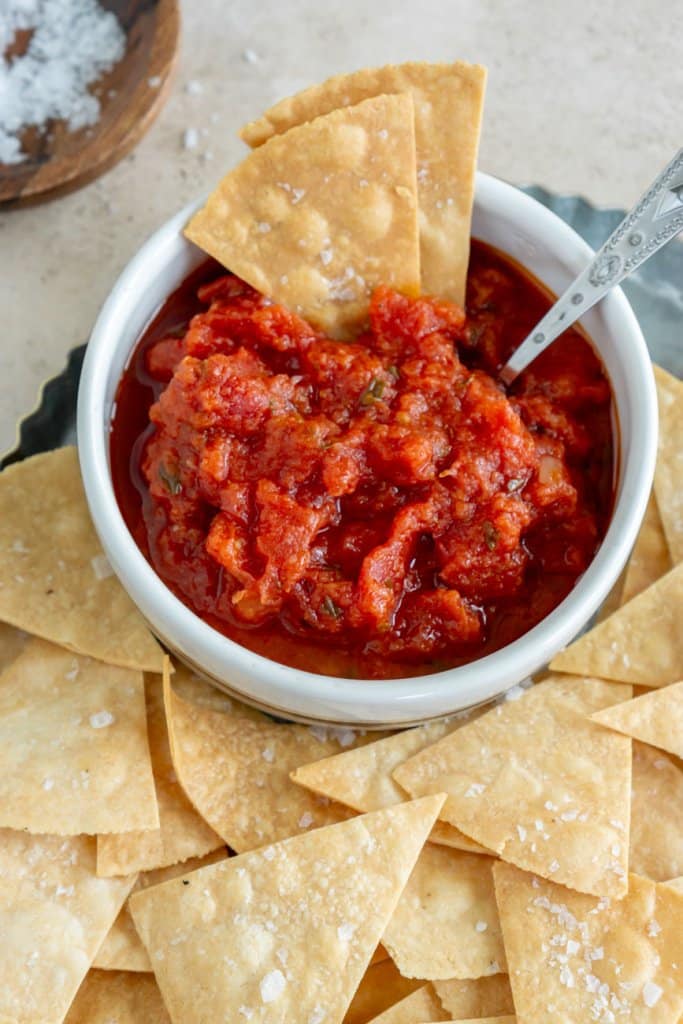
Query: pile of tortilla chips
(169,856)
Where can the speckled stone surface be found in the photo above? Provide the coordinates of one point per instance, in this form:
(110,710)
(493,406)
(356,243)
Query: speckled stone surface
(582,98)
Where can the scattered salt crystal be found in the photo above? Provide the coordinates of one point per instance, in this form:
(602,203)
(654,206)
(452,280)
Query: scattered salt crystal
(72,44)
(190,138)
(306,820)
(73,671)
(263,227)
(194,88)
(569,815)
(19,547)
(154,81)
(101,719)
(101,567)
(268,755)
(297,195)
(616,849)
(521,832)
(553,867)
(345,932)
(316,1016)
(652,993)
(550,806)
(382,134)
(250,56)
(48,784)
(246,1012)
(566,977)
(653,928)
(573,947)
(272,986)
(480,926)
(476,789)
(269,853)
(660,764)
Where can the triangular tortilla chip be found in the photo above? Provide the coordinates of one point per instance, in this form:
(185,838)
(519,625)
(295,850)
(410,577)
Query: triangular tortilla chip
(117,997)
(286,931)
(450,895)
(669,468)
(182,833)
(655,717)
(656,815)
(74,756)
(320,216)
(472,999)
(449,101)
(235,770)
(381,987)
(421,1005)
(122,949)
(641,643)
(56,582)
(54,913)
(650,557)
(573,958)
(362,778)
(11,644)
(534,780)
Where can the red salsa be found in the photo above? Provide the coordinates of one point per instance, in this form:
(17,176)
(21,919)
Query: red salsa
(371,508)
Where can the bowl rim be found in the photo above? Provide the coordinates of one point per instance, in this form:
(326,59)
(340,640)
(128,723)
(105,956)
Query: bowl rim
(306,694)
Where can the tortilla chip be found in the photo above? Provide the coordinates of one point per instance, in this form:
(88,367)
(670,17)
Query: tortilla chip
(449,101)
(537,782)
(449,895)
(54,914)
(650,557)
(362,778)
(122,949)
(236,770)
(56,582)
(380,988)
(507,1019)
(641,643)
(316,907)
(669,468)
(573,958)
(420,1006)
(117,997)
(676,884)
(655,718)
(472,999)
(320,216)
(182,833)
(656,815)
(11,644)
(74,756)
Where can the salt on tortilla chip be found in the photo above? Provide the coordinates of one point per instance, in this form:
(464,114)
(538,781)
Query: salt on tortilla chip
(11,644)
(420,1006)
(182,833)
(656,815)
(650,557)
(236,770)
(655,717)
(450,895)
(122,949)
(318,217)
(381,987)
(449,101)
(362,778)
(509,783)
(669,468)
(54,913)
(56,582)
(641,643)
(474,999)
(287,930)
(118,997)
(575,958)
(74,756)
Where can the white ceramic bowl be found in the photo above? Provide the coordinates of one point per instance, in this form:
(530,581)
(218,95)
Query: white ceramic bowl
(527,231)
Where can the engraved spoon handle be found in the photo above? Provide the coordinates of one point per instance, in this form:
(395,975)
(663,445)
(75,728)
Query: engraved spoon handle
(656,218)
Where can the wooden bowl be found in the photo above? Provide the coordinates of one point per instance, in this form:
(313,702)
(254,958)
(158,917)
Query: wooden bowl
(60,160)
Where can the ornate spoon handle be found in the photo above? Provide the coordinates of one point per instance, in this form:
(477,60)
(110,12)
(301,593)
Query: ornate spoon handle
(655,219)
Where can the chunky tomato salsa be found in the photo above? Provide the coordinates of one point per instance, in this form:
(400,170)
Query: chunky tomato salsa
(376,507)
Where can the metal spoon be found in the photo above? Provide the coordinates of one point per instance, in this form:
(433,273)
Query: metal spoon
(656,218)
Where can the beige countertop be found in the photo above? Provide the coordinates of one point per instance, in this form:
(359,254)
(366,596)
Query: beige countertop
(581,98)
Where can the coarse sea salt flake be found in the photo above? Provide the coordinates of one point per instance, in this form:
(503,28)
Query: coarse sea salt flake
(190,138)
(521,832)
(653,928)
(268,755)
(272,985)
(480,926)
(306,820)
(101,719)
(101,567)
(476,789)
(652,993)
(345,932)
(48,783)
